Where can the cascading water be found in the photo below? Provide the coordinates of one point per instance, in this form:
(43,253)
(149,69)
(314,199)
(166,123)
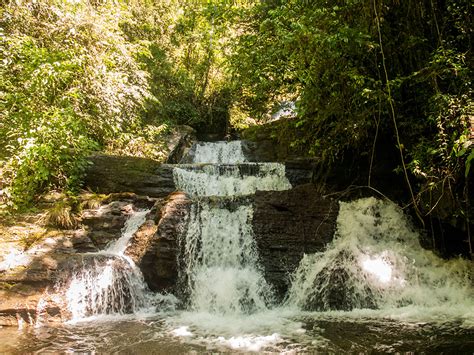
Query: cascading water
(376,262)
(219,153)
(373,289)
(374,265)
(108,282)
(220,257)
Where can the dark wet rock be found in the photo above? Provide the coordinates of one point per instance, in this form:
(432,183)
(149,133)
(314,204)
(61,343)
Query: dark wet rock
(101,239)
(179,143)
(109,174)
(155,246)
(83,242)
(446,231)
(104,225)
(300,172)
(340,286)
(288,224)
(264,151)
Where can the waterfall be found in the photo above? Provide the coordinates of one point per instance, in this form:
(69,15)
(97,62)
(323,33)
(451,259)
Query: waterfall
(373,279)
(375,261)
(219,153)
(220,257)
(231,180)
(108,282)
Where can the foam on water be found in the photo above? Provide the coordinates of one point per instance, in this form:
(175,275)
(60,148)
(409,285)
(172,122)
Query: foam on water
(221,169)
(109,283)
(221,262)
(131,226)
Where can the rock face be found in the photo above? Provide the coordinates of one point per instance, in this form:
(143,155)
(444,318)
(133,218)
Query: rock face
(179,142)
(265,150)
(109,174)
(147,177)
(287,224)
(155,247)
(334,287)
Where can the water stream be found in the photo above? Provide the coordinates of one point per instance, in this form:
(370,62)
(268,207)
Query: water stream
(108,283)
(220,258)
(373,289)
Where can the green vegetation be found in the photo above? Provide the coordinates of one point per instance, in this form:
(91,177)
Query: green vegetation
(365,75)
(79,76)
(69,84)
(355,67)
(368,75)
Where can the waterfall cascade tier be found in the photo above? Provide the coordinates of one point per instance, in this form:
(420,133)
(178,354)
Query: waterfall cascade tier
(218,153)
(108,282)
(220,259)
(376,261)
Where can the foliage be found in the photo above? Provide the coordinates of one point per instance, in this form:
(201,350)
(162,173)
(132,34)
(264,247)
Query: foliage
(186,61)
(347,64)
(61,215)
(149,141)
(115,75)
(30,239)
(78,76)
(70,83)
(320,56)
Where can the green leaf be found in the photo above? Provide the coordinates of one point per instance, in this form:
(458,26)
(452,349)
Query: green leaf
(468,163)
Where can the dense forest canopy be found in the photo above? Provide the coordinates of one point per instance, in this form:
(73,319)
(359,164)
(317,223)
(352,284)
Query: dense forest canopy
(81,76)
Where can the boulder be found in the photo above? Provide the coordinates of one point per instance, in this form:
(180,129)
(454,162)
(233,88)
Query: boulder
(20,306)
(155,246)
(288,224)
(337,287)
(111,174)
(27,294)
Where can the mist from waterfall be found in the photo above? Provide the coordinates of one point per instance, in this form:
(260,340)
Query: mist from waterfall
(376,262)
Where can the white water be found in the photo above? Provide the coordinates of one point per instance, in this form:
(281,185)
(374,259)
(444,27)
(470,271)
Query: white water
(131,226)
(219,153)
(231,180)
(380,264)
(221,262)
(220,257)
(109,283)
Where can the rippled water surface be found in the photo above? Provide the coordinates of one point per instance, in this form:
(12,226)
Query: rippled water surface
(307,333)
